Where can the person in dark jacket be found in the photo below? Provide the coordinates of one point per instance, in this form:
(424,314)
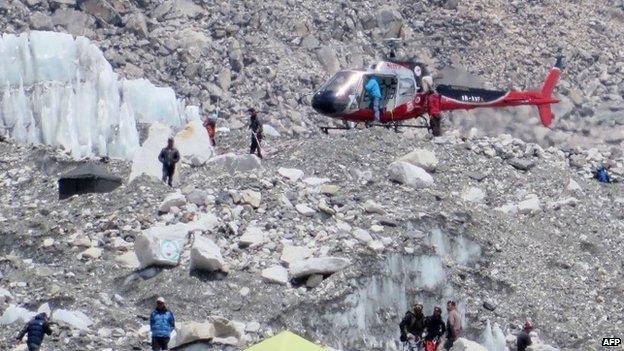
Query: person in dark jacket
(162,323)
(169,156)
(36,330)
(434,326)
(413,324)
(524,339)
(256,132)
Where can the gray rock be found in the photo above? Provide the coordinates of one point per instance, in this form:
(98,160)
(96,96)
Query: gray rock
(422,158)
(206,255)
(292,254)
(275,274)
(523,164)
(314,281)
(197,197)
(236,163)
(76,22)
(176,199)
(102,10)
(40,21)
(408,174)
(320,265)
(137,24)
(252,237)
(327,57)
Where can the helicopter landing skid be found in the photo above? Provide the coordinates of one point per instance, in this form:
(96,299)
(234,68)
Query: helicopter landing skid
(326,129)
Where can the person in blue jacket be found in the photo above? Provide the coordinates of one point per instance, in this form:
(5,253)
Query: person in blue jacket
(162,324)
(36,330)
(374,92)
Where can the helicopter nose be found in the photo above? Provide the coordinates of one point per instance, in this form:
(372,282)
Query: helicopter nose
(326,103)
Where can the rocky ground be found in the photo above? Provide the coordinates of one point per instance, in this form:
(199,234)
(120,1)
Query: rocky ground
(532,234)
(273,55)
(548,235)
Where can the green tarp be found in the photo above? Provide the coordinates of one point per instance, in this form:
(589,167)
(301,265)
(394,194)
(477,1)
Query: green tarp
(286,341)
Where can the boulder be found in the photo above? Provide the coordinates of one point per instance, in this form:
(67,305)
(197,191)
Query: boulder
(422,158)
(187,333)
(315,181)
(291,173)
(509,209)
(531,205)
(161,246)
(270,131)
(320,265)
(314,280)
(40,21)
(574,186)
(328,59)
(474,195)
(194,144)
(292,254)
(5,295)
(467,345)
(91,253)
(128,260)
(145,160)
(362,235)
(523,164)
(305,210)
(217,329)
(176,199)
(205,222)
(408,174)
(197,197)
(76,22)
(14,314)
(236,163)
(76,319)
(389,21)
(275,274)
(329,189)
(206,255)
(252,237)
(251,197)
(371,206)
(137,24)
(102,10)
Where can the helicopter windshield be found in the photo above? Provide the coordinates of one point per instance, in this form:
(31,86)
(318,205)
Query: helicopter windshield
(343,83)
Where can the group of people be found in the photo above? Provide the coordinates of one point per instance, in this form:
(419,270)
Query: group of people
(169,156)
(420,332)
(162,323)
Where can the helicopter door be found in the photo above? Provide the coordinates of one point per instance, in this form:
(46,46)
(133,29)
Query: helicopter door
(388,86)
(407,90)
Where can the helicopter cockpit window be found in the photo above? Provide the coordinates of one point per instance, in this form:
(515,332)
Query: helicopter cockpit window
(406,87)
(344,83)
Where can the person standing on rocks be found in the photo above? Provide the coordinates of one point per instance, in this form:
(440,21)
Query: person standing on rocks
(169,156)
(162,324)
(211,125)
(374,92)
(413,324)
(601,173)
(36,330)
(434,325)
(256,132)
(453,325)
(524,339)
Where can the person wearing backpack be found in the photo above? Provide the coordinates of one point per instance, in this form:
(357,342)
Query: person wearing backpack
(36,330)
(413,324)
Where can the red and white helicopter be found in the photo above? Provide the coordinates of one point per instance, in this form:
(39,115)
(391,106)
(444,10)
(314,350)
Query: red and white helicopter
(407,93)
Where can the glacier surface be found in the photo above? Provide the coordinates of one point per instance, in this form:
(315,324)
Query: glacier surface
(61,91)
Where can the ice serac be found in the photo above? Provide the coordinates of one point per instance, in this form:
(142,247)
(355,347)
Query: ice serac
(145,160)
(61,91)
(493,338)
